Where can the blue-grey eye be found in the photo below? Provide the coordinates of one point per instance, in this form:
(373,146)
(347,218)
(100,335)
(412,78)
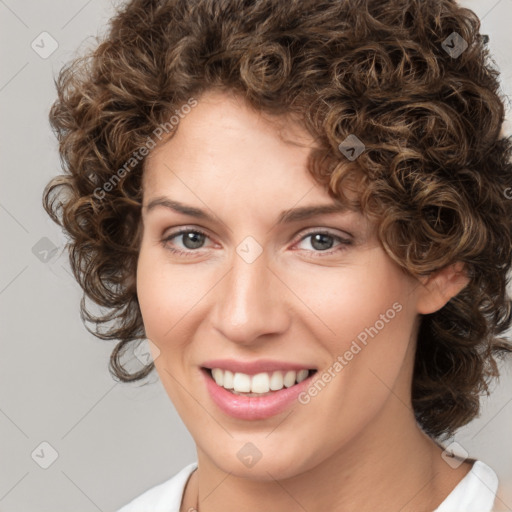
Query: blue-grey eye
(192,239)
(321,241)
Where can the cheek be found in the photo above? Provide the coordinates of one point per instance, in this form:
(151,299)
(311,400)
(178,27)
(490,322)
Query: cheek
(351,300)
(166,292)
(164,300)
(373,327)
(152,296)
(365,327)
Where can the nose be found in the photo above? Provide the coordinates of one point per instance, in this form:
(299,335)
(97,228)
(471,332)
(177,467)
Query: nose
(250,302)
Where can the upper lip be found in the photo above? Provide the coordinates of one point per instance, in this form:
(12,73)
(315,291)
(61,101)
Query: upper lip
(254,367)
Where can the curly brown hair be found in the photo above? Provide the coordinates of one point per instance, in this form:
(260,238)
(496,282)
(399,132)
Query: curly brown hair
(432,175)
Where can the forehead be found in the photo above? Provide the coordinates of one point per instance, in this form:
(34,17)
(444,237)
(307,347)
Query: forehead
(236,162)
(223,133)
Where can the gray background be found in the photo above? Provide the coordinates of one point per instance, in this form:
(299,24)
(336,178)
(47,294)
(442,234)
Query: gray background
(113,440)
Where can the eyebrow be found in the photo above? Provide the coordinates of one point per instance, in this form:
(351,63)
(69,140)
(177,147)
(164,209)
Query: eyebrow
(285,217)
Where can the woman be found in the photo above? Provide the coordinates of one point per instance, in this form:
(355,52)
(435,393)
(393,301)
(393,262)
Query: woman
(302,205)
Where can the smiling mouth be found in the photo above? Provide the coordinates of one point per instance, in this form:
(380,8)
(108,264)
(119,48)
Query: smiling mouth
(260,384)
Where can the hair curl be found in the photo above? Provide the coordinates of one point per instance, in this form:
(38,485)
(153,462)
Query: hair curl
(433,174)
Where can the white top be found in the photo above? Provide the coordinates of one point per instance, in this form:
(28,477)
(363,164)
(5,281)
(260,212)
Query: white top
(474,493)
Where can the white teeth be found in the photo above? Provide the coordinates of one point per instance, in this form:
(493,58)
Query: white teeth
(228,379)
(276,381)
(242,382)
(218,376)
(301,375)
(260,383)
(289,378)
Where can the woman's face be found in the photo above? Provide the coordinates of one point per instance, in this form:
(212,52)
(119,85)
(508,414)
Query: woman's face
(258,283)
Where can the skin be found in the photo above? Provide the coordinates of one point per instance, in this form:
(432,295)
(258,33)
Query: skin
(356,445)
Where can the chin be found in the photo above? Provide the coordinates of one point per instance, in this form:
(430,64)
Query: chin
(273,464)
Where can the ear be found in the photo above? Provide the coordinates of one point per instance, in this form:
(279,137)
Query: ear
(438,288)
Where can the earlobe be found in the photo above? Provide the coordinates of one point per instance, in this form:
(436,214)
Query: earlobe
(438,288)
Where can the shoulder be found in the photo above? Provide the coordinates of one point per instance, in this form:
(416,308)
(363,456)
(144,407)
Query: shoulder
(476,492)
(162,497)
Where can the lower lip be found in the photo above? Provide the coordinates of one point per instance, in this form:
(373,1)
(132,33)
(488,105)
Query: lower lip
(255,407)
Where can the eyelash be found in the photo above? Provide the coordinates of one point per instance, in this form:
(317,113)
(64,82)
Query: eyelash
(318,254)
